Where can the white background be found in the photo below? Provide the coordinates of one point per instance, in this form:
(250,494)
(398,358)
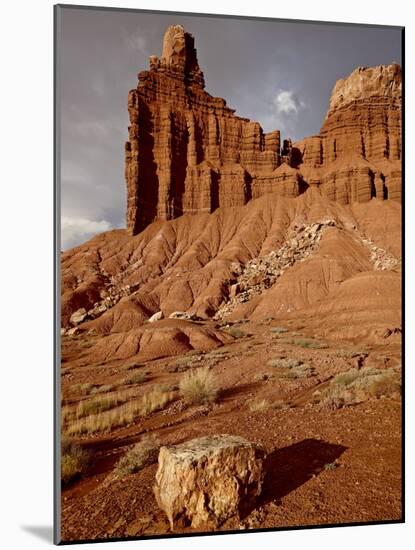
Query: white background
(26,288)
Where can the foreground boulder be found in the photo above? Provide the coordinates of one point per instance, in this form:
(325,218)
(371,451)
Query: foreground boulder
(205,481)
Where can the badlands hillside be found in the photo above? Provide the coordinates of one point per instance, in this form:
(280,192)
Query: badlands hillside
(270,272)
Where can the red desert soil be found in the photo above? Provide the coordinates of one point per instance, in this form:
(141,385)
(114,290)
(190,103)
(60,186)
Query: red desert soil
(323,466)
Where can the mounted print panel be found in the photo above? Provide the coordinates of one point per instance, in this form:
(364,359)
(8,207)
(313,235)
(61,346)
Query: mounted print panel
(230,274)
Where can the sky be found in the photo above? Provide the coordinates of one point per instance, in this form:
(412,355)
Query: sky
(277,73)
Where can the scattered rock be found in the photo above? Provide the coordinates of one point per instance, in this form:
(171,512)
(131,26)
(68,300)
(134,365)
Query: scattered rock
(78,316)
(156,317)
(184,315)
(207,480)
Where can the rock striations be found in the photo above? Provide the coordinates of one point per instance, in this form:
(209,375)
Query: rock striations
(357,155)
(189,153)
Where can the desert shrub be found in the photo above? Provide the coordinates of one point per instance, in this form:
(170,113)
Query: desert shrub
(290,368)
(184,363)
(355,386)
(144,453)
(198,386)
(120,416)
(346,378)
(302,371)
(105,388)
(74,460)
(255,405)
(136,377)
(83,389)
(284,363)
(378,382)
(337,398)
(306,343)
(278,330)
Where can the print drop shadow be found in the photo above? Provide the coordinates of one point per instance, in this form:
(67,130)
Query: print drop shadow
(288,468)
(42,532)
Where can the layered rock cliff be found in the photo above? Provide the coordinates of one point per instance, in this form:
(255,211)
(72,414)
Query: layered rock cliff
(188,152)
(357,155)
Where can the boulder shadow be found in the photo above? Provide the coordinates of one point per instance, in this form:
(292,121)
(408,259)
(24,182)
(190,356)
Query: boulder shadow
(288,468)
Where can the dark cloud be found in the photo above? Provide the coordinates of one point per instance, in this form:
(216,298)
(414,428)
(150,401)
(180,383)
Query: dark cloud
(279,73)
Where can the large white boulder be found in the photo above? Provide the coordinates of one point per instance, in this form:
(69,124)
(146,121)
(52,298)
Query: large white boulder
(205,481)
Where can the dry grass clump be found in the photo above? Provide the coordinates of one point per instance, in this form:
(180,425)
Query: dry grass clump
(83,389)
(356,386)
(105,388)
(166,387)
(198,386)
(144,453)
(182,364)
(136,377)
(290,368)
(120,416)
(284,363)
(306,343)
(99,404)
(255,405)
(74,460)
(278,330)
(302,371)
(66,414)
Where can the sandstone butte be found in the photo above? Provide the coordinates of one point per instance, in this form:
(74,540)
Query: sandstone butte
(189,153)
(223,221)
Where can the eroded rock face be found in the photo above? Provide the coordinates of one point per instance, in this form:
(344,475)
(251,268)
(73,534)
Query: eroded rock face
(357,155)
(189,153)
(207,480)
(365,83)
